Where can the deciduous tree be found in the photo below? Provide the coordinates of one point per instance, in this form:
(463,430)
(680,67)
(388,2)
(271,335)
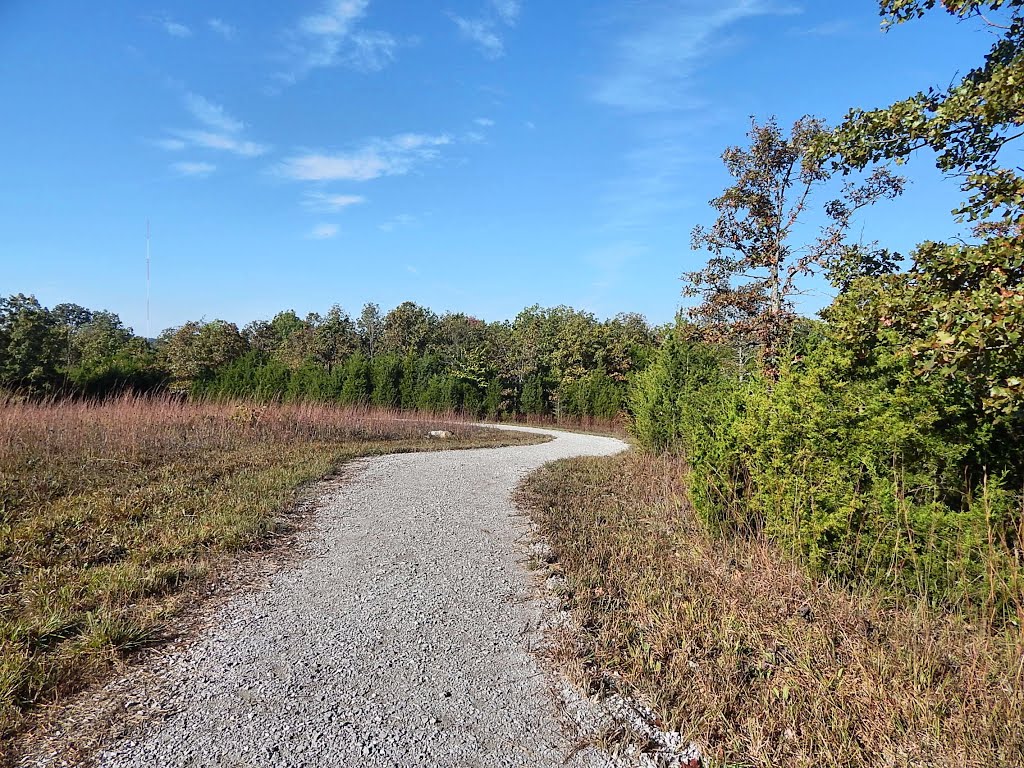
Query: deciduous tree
(31,343)
(408,328)
(756,269)
(959,310)
(197,349)
(370,325)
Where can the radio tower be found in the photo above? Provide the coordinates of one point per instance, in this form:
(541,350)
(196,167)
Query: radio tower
(148,335)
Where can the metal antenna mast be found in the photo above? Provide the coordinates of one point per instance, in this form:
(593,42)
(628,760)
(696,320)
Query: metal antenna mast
(147,279)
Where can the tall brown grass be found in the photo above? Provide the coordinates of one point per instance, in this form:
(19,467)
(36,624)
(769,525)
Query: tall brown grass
(736,646)
(112,513)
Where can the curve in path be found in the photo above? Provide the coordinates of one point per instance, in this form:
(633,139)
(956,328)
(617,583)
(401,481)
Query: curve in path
(400,639)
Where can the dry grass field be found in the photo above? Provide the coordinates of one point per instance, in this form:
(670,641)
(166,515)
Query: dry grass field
(111,515)
(760,664)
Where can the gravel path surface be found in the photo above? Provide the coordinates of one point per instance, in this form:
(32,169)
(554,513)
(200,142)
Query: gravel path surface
(401,639)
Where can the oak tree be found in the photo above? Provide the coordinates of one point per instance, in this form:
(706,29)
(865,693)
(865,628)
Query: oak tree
(755,270)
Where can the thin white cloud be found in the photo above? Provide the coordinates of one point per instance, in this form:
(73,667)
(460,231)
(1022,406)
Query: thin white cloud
(212,115)
(654,66)
(507,10)
(333,37)
(834,28)
(336,19)
(220,130)
(194,168)
(222,28)
(322,201)
(417,142)
(654,182)
(654,75)
(399,221)
(169,25)
(395,156)
(478,135)
(483,34)
(603,269)
(225,142)
(484,30)
(170,145)
(174,29)
(361,166)
(323,232)
(369,51)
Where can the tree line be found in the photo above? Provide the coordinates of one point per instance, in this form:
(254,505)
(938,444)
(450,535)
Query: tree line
(547,362)
(882,441)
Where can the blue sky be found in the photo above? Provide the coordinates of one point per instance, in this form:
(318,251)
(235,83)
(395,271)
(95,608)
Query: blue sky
(469,155)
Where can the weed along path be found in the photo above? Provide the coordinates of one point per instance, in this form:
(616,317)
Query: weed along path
(402,637)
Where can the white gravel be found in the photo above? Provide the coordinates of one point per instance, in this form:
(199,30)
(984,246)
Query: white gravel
(402,638)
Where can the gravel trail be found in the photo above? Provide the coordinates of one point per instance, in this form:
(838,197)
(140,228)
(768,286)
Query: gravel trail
(402,637)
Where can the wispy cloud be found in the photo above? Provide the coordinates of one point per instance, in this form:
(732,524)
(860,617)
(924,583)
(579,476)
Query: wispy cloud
(397,222)
(169,25)
(335,37)
(322,201)
(395,156)
(170,145)
(220,131)
(194,168)
(481,32)
(175,29)
(222,28)
(484,30)
(478,134)
(608,263)
(833,28)
(654,77)
(212,115)
(653,66)
(654,178)
(507,10)
(225,142)
(602,270)
(323,232)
